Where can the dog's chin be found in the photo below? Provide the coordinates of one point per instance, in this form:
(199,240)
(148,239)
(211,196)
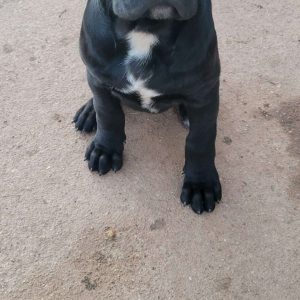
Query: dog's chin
(162,12)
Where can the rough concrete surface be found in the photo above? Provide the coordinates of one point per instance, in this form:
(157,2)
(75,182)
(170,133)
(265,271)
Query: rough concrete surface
(70,234)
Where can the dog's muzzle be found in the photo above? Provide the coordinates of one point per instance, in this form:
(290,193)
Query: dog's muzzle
(155,9)
(162,12)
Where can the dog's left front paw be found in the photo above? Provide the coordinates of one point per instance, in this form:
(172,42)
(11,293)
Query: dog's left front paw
(201,195)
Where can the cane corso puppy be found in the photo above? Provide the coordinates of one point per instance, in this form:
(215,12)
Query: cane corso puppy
(153,55)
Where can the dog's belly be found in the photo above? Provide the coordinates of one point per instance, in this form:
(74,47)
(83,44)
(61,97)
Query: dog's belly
(137,90)
(155,105)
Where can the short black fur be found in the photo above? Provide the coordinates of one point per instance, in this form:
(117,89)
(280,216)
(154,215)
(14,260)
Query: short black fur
(185,67)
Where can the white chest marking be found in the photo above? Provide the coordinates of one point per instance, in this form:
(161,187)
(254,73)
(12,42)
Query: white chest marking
(141,45)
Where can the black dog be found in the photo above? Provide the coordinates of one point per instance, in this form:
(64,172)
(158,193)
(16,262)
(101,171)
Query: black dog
(152,55)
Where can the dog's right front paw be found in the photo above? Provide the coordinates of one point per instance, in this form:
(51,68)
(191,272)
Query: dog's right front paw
(101,160)
(85,118)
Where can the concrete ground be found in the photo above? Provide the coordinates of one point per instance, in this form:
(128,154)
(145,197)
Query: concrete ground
(69,234)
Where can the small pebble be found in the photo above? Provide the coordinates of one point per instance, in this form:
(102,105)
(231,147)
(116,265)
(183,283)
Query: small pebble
(227,140)
(110,233)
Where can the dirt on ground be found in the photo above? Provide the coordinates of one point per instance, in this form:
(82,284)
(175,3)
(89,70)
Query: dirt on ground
(69,234)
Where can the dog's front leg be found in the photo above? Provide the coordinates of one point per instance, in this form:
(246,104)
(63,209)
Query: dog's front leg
(201,188)
(106,150)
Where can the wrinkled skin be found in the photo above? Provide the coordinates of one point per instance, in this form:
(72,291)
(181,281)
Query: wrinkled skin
(185,69)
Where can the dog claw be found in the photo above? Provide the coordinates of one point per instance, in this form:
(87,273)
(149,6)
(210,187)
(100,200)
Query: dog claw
(85,118)
(201,196)
(102,161)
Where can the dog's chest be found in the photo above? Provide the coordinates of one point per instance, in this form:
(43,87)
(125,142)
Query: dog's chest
(137,71)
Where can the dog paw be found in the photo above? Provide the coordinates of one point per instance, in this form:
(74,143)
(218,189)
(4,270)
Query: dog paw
(85,118)
(101,160)
(201,196)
